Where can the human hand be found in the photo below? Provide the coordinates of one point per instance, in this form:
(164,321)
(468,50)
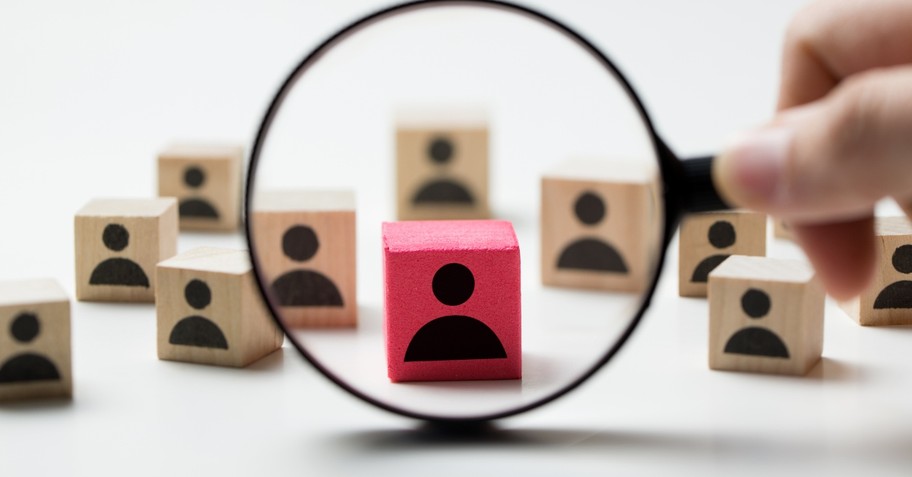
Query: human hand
(842,139)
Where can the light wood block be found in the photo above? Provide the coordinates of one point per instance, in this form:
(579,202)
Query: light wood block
(442,166)
(304,242)
(206,180)
(706,239)
(35,357)
(210,310)
(888,299)
(765,316)
(118,243)
(600,225)
(781,229)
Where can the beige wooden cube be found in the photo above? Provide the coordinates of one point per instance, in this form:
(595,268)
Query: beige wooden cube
(206,180)
(442,166)
(765,316)
(888,299)
(781,229)
(118,243)
(600,225)
(35,357)
(707,239)
(304,242)
(210,310)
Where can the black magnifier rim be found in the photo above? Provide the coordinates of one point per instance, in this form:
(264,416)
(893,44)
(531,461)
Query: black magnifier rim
(382,14)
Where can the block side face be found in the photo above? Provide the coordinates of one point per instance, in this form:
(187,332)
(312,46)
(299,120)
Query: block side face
(200,327)
(792,324)
(208,190)
(698,253)
(411,304)
(885,302)
(327,270)
(259,331)
(450,185)
(35,343)
(118,275)
(621,240)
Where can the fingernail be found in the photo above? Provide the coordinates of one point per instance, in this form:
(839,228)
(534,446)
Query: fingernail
(750,171)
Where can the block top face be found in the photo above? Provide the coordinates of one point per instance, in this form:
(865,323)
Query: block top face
(127,207)
(441,117)
(608,170)
(202,152)
(764,268)
(304,200)
(450,235)
(31,292)
(888,226)
(211,259)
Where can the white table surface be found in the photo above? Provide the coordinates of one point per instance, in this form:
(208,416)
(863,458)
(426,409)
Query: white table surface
(90,91)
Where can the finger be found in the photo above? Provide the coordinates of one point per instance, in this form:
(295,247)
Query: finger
(829,161)
(843,254)
(832,40)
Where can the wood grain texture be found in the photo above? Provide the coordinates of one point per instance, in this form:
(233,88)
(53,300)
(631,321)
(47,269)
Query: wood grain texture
(152,228)
(794,316)
(703,240)
(466,168)
(629,225)
(330,214)
(235,307)
(202,176)
(46,301)
(894,241)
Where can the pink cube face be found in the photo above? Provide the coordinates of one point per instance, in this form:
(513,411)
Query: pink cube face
(452,300)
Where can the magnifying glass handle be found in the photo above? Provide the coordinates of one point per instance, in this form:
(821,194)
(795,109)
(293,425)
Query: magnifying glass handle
(700,194)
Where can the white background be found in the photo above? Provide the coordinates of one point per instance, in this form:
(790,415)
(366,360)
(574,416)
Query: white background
(90,91)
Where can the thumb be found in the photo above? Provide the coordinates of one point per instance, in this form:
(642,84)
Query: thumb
(830,160)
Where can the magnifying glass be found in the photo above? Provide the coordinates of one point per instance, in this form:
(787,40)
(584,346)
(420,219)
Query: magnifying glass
(458,210)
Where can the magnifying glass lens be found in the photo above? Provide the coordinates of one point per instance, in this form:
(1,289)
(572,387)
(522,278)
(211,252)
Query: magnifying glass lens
(454,212)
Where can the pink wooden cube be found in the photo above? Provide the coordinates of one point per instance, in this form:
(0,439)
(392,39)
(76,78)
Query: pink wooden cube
(452,300)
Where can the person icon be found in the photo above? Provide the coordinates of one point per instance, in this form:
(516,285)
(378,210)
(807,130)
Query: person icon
(755,340)
(304,287)
(118,271)
(27,367)
(591,254)
(442,191)
(197,330)
(195,207)
(454,337)
(897,294)
(721,235)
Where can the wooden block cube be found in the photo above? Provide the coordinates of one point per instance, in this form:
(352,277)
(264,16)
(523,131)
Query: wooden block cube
(452,300)
(206,180)
(888,299)
(210,310)
(304,241)
(781,229)
(35,358)
(707,239)
(765,315)
(442,167)
(600,225)
(118,243)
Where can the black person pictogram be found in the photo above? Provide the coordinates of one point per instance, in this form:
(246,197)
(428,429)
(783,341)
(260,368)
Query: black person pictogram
(454,337)
(592,254)
(721,235)
(442,191)
(25,367)
(117,270)
(754,340)
(197,330)
(897,294)
(304,287)
(195,207)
